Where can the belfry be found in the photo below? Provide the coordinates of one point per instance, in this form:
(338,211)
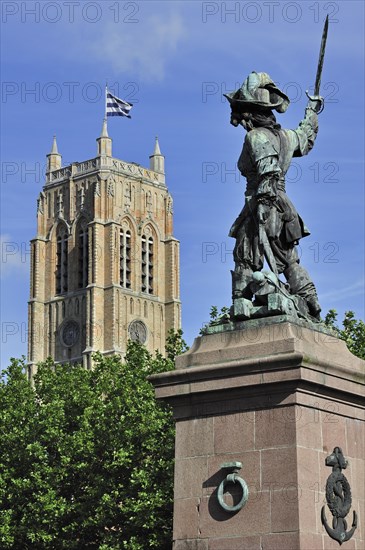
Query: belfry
(104,263)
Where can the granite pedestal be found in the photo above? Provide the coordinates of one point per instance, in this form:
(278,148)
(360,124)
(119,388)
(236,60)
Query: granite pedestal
(277,397)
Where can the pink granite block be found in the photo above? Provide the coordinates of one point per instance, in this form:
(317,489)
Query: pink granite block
(194,437)
(275,427)
(234,433)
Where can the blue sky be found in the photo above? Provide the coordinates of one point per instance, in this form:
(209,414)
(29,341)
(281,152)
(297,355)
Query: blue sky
(174,60)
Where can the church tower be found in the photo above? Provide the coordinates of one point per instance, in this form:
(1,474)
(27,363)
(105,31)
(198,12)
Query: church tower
(104,263)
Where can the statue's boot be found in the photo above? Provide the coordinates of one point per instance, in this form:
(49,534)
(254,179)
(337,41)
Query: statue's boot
(241,279)
(301,284)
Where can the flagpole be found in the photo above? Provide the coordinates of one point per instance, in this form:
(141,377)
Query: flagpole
(106,100)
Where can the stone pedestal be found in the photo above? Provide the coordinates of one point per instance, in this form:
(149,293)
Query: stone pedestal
(278,398)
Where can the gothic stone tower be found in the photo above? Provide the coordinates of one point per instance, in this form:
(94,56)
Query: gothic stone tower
(104,263)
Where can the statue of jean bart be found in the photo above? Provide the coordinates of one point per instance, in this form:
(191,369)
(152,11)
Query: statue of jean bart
(269,227)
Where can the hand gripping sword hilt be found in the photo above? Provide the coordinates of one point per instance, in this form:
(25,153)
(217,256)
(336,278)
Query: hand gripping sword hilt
(316,98)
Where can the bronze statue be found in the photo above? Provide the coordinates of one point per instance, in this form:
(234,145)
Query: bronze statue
(269,225)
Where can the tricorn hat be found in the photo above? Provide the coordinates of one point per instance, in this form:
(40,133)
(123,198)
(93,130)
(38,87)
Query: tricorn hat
(258,90)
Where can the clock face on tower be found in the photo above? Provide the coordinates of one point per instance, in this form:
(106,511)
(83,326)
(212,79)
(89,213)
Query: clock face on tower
(138,331)
(70,333)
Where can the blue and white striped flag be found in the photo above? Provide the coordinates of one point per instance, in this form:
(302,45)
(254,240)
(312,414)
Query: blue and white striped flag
(116,106)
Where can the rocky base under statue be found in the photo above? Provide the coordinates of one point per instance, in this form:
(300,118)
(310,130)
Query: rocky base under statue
(266,295)
(270,303)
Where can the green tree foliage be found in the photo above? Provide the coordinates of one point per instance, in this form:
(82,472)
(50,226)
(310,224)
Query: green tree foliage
(86,457)
(216,318)
(352,331)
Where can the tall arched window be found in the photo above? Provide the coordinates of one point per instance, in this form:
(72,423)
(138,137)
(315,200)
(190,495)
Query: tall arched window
(147,264)
(83,254)
(62,260)
(125,258)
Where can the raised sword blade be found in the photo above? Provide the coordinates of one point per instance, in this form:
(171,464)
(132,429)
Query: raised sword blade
(321,58)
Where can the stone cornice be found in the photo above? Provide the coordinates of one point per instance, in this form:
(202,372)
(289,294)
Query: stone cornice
(295,365)
(112,165)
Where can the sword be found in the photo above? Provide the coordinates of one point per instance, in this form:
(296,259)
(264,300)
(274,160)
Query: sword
(270,258)
(320,64)
(264,241)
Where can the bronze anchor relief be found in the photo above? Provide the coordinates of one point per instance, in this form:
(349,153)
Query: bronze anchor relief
(338,497)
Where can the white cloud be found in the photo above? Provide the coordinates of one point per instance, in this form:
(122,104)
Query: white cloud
(15,256)
(143,48)
(339,294)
